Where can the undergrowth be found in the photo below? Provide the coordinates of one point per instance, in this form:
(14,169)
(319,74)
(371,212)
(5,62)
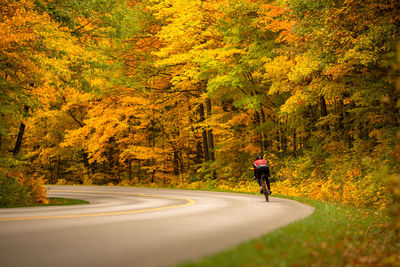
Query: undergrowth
(333,235)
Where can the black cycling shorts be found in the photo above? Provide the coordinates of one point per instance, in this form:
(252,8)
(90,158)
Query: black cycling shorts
(262,169)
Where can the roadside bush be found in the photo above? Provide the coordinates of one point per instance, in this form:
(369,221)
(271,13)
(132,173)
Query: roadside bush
(359,183)
(394,207)
(19,189)
(12,192)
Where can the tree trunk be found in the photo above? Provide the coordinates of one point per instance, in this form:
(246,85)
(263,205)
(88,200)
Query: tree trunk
(264,137)
(199,151)
(209,132)
(204,133)
(281,137)
(284,136)
(176,162)
(86,163)
(130,169)
(21,132)
(324,111)
(18,144)
(341,115)
(58,168)
(257,125)
(139,171)
(294,141)
(278,136)
(118,169)
(180,161)
(51,170)
(188,153)
(205,147)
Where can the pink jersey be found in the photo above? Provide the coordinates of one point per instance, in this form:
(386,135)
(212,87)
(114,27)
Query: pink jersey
(260,162)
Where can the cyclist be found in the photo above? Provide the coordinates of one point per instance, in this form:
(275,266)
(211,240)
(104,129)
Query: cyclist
(261,168)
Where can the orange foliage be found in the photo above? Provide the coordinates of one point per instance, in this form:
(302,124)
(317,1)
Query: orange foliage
(34,185)
(271,18)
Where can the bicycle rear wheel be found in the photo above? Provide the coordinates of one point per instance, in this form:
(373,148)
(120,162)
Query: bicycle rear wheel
(264,186)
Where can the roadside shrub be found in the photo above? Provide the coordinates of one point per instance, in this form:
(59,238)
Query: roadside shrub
(12,192)
(347,180)
(394,206)
(19,189)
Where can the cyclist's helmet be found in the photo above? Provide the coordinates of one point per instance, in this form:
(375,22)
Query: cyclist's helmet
(259,157)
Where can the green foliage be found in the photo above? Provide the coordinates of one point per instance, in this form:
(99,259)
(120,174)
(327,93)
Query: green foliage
(53,201)
(206,172)
(248,103)
(332,236)
(12,192)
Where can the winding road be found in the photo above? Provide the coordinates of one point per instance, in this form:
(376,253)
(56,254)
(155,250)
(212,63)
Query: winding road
(125,226)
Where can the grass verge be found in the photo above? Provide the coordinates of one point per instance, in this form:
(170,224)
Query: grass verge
(333,235)
(54,201)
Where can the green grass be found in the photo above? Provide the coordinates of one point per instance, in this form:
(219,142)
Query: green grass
(54,201)
(333,235)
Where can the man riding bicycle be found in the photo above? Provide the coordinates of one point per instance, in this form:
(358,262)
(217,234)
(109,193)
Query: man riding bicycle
(261,168)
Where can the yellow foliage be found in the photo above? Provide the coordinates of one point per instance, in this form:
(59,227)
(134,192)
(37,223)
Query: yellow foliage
(349,193)
(35,185)
(61,182)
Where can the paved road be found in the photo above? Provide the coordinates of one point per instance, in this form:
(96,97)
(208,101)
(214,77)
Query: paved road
(137,226)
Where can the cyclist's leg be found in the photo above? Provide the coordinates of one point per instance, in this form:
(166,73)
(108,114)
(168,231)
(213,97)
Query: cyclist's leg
(268,184)
(267,175)
(258,177)
(259,180)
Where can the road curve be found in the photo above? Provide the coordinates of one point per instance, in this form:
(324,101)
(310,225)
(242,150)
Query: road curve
(125,226)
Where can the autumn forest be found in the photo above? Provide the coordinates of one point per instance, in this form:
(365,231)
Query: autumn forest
(187,93)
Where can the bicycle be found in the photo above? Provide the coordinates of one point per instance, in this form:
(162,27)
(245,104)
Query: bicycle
(264,187)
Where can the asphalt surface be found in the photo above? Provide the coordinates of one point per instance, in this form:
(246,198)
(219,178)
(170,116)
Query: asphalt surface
(125,226)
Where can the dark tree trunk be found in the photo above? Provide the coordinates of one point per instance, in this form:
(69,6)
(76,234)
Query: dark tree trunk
(86,163)
(211,145)
(18,144)
(139,171)
(324,111)
(21,132)
(342,125)
(205,146)
(257,125)
(176,162)
(58,168)
(198,149)
(264,138)
(209,133)
(51,171)
(285,136)
(130,169)
(199,152)
(118,169)
(341,115)
(294,141)
(188,154)
(204,134)
(278,136)
(180,161)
